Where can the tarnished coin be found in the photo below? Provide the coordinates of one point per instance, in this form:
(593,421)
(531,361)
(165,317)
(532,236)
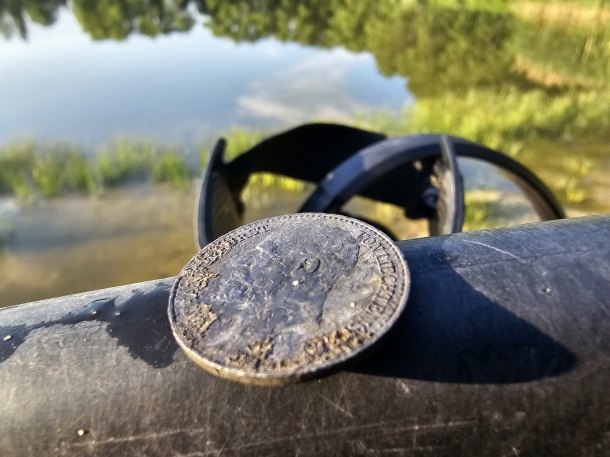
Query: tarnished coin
(288,298)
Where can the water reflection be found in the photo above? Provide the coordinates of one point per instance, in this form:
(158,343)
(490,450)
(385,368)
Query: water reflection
(514,62)
(104,19)
(437,45)
(516,49)
(181,88)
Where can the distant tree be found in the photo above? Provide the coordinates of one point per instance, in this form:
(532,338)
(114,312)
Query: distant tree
(437,48)
(113,19)
(438,45)
(440,49)
(14,14)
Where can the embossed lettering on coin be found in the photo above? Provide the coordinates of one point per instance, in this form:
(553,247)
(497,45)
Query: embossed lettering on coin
(288,298)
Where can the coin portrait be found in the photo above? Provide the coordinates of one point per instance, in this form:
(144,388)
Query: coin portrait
(288,298)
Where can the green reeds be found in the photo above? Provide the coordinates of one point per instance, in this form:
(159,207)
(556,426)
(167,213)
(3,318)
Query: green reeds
(29,170)
(534,126)
(170,167)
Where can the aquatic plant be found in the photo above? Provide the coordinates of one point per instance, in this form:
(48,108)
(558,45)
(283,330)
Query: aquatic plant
(169,166)
(29,169)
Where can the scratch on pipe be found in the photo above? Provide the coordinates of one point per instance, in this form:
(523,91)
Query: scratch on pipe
(336,405)
(367,430)
(130,438)
(403,450)
(10,398)
(372,428)
(286,439)
(496,249)
(403,386)
(430,427)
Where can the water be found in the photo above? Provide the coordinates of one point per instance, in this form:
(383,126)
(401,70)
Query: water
(181,87)
(507,74)
(85,243)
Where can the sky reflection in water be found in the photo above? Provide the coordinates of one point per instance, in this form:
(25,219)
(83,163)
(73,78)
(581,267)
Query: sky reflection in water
(181,87)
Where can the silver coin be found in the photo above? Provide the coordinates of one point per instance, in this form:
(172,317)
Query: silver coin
(288,298)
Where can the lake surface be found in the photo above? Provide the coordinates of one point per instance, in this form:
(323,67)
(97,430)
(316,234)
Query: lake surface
(183,87)
(529,78)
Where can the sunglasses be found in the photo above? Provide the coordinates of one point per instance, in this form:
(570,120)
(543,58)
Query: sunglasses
(418,173)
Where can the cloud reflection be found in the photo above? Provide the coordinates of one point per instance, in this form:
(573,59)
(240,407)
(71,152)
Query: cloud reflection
(317,88)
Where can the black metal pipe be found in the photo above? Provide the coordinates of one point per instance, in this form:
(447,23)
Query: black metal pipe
(504,350)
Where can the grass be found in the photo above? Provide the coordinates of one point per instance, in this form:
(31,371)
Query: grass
(29,170)
(505,119)
(171,168)
(240,140)
(483,211)
(513,120)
